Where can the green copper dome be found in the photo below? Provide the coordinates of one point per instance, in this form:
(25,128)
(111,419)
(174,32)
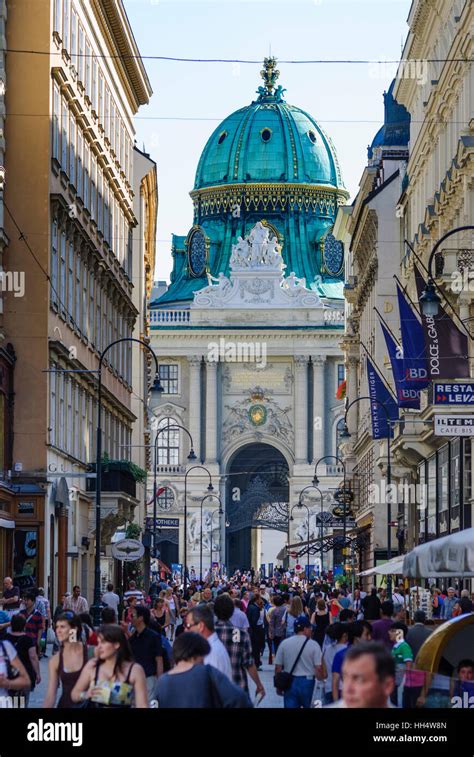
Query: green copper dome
(268,141)
(268,162)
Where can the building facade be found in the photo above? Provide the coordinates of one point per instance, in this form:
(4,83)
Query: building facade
(418,185)
(247,334)
(70,156)
(371,229)
(438,197)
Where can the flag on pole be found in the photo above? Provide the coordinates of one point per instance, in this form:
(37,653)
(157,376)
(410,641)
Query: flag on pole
(380,395)
(446,345)
(406,396)
(341,390)
(413,344)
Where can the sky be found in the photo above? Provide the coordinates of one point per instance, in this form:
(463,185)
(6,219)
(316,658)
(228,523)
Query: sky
(190,99)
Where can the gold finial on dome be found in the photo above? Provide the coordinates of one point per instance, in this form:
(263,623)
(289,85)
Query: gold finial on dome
(269,74)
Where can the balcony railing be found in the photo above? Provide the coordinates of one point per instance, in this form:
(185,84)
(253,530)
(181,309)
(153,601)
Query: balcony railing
(115,480)
(334,470)
(176,469)
(169,316)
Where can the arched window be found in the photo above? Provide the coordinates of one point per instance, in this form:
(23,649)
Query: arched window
(168,443)
(339,430)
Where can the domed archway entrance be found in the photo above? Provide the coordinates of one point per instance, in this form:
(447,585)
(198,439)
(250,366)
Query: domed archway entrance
(256,499)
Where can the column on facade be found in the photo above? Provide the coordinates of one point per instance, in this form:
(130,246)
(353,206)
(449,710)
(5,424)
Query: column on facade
(194,416)
(301,408)
(211,411)
(319,399)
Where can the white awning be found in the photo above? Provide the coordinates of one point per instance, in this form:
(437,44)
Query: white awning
(450,556)
(391,567)
(4,523)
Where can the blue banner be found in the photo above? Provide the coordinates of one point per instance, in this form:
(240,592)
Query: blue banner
(414,345)
(446,345)
(406,396)
(378,391)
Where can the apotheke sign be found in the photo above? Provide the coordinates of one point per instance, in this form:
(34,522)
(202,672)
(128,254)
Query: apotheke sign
(453,394)
(454,425)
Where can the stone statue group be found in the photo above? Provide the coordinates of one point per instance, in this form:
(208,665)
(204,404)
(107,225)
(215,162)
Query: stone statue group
(257,249)
(209,526)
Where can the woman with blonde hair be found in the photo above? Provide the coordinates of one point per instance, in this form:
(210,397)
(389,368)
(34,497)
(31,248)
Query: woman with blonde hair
(294,611)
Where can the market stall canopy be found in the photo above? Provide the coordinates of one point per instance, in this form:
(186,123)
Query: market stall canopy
(391,567)
(450,556)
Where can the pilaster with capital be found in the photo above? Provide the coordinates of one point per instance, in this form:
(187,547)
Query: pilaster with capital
(194,416)
(211,411)
(301,408)
(319,399)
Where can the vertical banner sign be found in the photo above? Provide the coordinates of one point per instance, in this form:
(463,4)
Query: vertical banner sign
(446,345)
(406,396)
(414,345)
(378,391)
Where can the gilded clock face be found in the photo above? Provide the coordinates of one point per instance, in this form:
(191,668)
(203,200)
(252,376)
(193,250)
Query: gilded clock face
(197,253)
(257,415)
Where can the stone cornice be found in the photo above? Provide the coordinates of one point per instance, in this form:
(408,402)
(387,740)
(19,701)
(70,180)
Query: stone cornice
(118,34)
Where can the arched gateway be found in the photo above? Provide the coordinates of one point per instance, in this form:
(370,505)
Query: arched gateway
(256,498)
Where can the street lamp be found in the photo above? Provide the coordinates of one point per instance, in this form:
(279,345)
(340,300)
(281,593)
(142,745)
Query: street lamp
(98,466)
(301,504)
(430,299)
(316,482)
(171,427)
(346,435)
(207,496)
(210,488)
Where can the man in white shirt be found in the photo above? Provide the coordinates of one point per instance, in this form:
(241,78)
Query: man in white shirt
(307,667)
(201,620)
(111,599)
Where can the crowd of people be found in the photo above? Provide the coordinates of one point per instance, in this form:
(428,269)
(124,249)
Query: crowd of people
(199,646)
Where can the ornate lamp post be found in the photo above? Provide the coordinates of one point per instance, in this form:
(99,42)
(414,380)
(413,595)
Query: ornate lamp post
(210,488)
(191,456)
(220,512)
(98,464)
(346,435)
(430,299)
(300,505)
(316,482)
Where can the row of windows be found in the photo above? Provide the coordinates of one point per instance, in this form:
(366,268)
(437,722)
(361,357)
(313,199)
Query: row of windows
(76,42)
(79,163)
(79,299)
(444,485)
(170,384)
(73,422)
